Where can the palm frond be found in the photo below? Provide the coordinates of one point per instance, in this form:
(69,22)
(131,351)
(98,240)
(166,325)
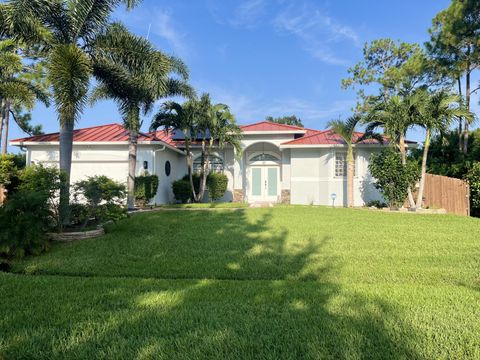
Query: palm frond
(69,71)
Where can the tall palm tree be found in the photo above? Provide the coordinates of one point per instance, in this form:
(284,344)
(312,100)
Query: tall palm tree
(134,78)
(395,115)
(215,124)
(66,31)
(437,111)
(18,90)
(346,131)
(181,117)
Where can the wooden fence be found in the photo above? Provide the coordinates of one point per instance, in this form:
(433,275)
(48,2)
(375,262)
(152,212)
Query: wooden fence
(2,195)
(448,193)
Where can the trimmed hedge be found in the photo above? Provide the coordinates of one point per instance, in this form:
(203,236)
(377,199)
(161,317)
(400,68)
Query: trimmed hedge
(473,178)
(146,187)
(182,190)
(217,185)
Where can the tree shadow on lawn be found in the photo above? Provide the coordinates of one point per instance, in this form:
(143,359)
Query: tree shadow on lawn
(273,316)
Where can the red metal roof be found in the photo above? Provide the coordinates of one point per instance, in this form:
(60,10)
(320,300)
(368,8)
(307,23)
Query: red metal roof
(117,133)
(270,126)
(102,133)
(163,135)
(326,137)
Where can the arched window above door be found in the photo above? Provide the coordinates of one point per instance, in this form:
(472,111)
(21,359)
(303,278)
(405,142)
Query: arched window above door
(264,157)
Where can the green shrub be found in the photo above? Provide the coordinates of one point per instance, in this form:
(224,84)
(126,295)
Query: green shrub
(104,199)
(217,185)
(182,190)
(376,203)
(146,187)
(393,178)
(23,224)
(473,178)
(45,179)
(196,181)
(8,169)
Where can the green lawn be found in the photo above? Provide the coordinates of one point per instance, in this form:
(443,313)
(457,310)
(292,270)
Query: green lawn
(284,282)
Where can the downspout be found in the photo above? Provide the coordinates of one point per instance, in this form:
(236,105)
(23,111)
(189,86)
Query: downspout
(155,158)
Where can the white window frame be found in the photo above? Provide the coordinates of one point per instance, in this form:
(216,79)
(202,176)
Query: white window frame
(344,153)
(212,156)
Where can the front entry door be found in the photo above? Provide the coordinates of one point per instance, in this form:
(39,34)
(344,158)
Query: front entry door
(264,182)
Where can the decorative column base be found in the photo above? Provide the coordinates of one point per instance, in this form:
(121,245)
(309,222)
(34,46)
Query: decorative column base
(285,196)
(238,195)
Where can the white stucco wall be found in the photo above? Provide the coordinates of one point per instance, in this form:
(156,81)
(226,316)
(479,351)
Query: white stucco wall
(112,161)
(313,177)
(178,168)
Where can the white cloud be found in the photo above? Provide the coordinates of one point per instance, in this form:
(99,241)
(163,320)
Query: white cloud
(163,27)
(318,32)
(253,108)
(246,15)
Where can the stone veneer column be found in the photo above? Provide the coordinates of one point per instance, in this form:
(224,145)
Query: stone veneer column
(238,195)
(285,196)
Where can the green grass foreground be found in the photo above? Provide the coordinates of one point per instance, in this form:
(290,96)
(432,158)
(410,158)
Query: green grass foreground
(274,283)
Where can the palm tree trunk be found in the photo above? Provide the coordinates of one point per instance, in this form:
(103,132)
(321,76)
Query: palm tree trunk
(132,167)
(190,166)
(6,118)
(66,145)
(350,175)
(404,162)
(203,180)
(421,188)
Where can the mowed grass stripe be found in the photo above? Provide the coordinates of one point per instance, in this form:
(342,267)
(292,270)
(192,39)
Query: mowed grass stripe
(63,317)
(296,243)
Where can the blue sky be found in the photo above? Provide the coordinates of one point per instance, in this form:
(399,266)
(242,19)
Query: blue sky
(267,57)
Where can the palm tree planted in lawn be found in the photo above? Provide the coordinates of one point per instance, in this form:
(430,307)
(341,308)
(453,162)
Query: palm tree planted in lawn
(395,115)
(198,117)
(181,117)
(66,32)
(216,123)
(346,131)
(134,77)
(437,111)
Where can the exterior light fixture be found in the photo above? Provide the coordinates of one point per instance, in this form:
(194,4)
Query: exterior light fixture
(145,165)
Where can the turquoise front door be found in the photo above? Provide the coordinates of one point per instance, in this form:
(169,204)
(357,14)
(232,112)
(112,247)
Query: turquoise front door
(264,183)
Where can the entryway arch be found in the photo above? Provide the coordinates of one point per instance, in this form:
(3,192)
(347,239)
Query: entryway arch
(262,172)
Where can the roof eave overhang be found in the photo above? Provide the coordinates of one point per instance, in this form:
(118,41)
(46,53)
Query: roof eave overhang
(301,146)
(90,143)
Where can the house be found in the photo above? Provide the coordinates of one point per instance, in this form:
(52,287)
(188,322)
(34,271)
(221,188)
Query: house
(279,163)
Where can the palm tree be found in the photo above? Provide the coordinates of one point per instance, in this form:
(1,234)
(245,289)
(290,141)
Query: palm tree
(216,123)
(182,117)
(135,78)
(19,89)
(66,31)
(198,117)
(346,131)
(395,115)
(437,111)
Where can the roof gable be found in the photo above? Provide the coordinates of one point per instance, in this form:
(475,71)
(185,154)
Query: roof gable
(268,126)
